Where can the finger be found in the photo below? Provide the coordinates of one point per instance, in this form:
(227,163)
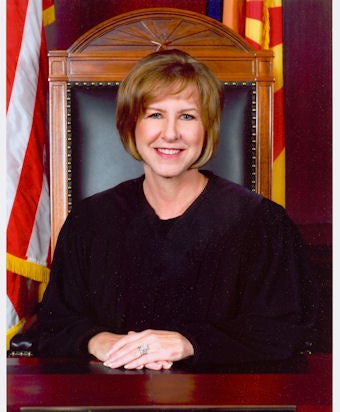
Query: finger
(122,358)
(130,338)
(159,365)
(167,364)
(148,365)
(164,364)
(156,366)
(129,354)
(131,347)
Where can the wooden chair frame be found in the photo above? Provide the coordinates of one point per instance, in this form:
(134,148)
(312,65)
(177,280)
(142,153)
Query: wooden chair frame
(108,51)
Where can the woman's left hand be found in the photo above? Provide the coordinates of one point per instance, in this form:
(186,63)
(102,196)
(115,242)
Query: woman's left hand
(152,349)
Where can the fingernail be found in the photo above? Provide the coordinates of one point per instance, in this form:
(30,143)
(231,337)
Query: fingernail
(110,364)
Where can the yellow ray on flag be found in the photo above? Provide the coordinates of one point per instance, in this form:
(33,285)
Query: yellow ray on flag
(263,30)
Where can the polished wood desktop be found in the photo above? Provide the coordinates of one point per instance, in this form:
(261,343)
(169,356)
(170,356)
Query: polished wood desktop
(35,384)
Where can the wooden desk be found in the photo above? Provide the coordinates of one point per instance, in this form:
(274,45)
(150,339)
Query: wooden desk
(78,385)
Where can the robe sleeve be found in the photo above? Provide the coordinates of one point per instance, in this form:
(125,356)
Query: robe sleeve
(275,311)
(65,321)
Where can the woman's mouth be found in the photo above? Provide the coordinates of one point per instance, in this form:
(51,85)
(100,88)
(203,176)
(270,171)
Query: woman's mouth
(168,152)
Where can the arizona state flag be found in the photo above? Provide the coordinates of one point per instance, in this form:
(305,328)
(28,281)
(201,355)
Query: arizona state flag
(263,29)
(260,23)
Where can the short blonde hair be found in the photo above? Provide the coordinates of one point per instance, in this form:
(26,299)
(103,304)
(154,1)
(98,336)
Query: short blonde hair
(160,74)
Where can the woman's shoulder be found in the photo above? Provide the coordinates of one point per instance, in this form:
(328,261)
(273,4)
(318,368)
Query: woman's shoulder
(123,196)
(225,190)
(233,199)
(125,189)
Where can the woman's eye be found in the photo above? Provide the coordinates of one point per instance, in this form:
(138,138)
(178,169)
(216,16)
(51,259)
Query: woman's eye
(186,116)
(155,116)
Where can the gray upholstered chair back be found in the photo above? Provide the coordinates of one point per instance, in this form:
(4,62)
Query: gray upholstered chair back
(99,160)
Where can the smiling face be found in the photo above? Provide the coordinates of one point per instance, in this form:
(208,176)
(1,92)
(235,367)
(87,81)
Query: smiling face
(170,134)
(167,73)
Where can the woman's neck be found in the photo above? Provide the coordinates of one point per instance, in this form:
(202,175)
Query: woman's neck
(171,197)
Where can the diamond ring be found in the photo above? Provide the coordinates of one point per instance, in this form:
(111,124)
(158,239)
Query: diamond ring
(143,349)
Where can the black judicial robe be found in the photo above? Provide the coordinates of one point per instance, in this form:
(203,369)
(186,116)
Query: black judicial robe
(229,274)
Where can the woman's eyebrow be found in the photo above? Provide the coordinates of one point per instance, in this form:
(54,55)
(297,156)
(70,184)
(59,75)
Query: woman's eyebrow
(185,109)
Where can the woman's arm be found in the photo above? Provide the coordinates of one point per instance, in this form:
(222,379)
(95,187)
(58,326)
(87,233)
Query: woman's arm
(64,317)
(274,299)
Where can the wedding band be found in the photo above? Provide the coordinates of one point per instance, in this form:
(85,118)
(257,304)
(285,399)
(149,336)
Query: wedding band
(143,349)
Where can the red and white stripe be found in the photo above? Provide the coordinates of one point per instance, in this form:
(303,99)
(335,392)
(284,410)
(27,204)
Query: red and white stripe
(28,205)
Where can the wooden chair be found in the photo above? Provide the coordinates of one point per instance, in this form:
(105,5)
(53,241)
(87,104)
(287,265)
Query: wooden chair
(86,154)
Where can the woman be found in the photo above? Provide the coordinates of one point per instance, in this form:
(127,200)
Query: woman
(178,265)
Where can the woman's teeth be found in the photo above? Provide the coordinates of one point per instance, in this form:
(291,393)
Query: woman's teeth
(169,151)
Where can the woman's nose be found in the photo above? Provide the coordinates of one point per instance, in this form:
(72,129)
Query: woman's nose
(171,132)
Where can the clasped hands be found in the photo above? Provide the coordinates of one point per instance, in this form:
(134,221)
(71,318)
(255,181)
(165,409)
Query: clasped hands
(161,349)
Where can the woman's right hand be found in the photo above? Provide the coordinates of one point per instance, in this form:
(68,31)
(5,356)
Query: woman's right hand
(100,344)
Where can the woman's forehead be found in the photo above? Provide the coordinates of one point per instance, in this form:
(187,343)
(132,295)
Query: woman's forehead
(186,92)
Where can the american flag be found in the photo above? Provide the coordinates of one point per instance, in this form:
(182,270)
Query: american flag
(27,197)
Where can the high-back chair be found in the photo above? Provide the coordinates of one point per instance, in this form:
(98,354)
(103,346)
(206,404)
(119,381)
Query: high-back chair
(86,153)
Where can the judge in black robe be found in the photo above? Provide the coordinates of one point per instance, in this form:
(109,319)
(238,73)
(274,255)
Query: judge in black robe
(178,265)
(229,274)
